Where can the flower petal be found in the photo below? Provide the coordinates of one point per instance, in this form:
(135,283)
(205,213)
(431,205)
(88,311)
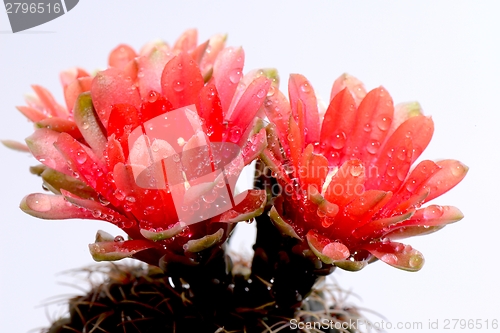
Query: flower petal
(227,73)
(181,81)
(327,251)
(251,204)
(49,102)
(121,56)
(75,88)
(87,121)
(198,245)
(111,250)
(112,87)
(53,207)
(397,255)
(41,145)
(451,173)
(60,125)
(353,85)
(299,88)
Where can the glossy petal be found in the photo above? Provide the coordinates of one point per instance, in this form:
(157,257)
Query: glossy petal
(299,88)
(227,73)
(397,255)
(121,56)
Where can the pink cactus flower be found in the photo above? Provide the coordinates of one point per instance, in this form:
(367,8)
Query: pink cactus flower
(153,144)
(345,177)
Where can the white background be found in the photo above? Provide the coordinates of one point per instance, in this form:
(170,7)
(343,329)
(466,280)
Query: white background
(445,54)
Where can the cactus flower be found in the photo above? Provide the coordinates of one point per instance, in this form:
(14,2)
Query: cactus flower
(154,144)
(347,186)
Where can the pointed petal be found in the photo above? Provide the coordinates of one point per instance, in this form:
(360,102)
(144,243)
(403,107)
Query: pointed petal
(210,110)
(112,87)
(337,125)
(377,228)
(151,68)
(403,112)
(60,125)
(75,88)
(373,119)
(227,74)
(186,42)
(215,46)
(285,228)
(123,119)
(295,141)
(365,206)
(198,245)
(111,251)
(249,103)
(434,215)
(52,207)
(41,145)
(299,88)
(57,181)
(14,145)
(397,255)
(87,121)
(121,56)
(278,111)
(354,86)
(49,102)
(181,81)
(164,234)
(451,173)
(411,231)
(31,113)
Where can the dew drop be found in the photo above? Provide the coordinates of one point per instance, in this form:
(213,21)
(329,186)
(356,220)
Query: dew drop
(119,239)
(119,194)
(390,258)
(373,147)
(39,202)
(176,158)
(458,169)
(356,170)
(152,96)
(261,93)
(103,200)
(210,197)
(85,125)
(416,261)
(383,123)
(339,140)
(271,91)
(81,157)
(411,185)
(178,86)
(367,128)
(305,87)
(235,75)
(433,212)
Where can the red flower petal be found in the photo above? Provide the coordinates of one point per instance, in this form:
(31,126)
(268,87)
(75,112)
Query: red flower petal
(353,85)
(313,169)
(74,89)
(121,56)
(227,73)
(60,125)
(49,102)
(41,145)
(346,184)
(451,173)
(181,81)
(112,87)
(397,255)
(338,123)
(373,119)
(299,88)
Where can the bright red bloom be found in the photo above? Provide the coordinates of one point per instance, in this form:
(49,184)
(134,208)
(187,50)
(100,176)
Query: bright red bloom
(116,153)
(347,187)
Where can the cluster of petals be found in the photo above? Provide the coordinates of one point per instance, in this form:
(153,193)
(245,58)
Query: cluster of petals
(93,158)
(347,186)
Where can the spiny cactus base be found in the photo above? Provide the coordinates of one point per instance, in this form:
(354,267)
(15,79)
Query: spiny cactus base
(143,299)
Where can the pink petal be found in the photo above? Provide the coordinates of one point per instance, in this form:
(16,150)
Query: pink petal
(397,255)
(75,88)
(49,102)
(227,73)
(53,207)
(353,85)
(151,68)
(121,56)
(31,113)
(112,87)
(187,41)
(451,173)
(41,144)
(181,81)
(373,119)
(337,125)
(299,88)
(60,125)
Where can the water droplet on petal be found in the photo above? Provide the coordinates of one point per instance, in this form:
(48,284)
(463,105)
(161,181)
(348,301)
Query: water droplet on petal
(235,75)
(85,125)
(38,202)
(373,147)
(81,157)
(119,194)
(339,140)
(457,170)
(103,200)
(119,239)
(152,96)
(383,123)
(210,197)
(390,258)
(411,185)
(179,86)
(305,87)
(356,170)
(261,93)
(433,212)
(416,261)
(367,128)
